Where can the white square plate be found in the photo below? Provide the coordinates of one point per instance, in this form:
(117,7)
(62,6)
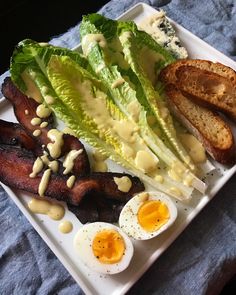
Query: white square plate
(146,252)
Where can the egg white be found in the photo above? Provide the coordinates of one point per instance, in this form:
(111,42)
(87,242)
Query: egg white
(83,247)
(128,220)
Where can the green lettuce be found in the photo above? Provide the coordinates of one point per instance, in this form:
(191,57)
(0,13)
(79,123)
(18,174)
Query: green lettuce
(103,42)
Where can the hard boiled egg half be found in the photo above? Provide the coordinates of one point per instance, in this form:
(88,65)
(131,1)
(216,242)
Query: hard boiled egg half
(103,247)
(147,215)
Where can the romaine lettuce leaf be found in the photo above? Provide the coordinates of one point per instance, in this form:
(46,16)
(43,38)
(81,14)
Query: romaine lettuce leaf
(83,98)
(137,89)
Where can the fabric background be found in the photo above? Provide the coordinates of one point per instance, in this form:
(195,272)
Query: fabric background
(202,259)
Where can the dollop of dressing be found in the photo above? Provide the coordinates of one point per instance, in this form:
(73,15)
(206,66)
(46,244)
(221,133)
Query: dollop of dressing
(123,183)
(37,132)
(43,124)
(70,181)
(99,165)
(57,142)
(54,166)
(43,111)
(146,161)
(125,130)
(44,182)
(35,121)
(65,226)
(49,99)
(194,147)
(37,167)
(53,210)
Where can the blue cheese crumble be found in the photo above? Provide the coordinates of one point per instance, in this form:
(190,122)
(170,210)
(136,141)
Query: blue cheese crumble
(159,27)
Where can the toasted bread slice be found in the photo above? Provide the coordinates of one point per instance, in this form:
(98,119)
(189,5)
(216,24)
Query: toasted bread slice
(206,83)
(168,73)
(208,89)
(208,127)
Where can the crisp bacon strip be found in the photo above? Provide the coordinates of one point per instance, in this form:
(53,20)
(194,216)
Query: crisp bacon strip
(15,134)
(101,210)
(21,103)
(16,165)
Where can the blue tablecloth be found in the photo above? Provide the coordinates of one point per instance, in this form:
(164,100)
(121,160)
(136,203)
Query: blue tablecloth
(202,259)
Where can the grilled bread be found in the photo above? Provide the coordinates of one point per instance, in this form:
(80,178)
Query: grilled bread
(209,84)
(209,128)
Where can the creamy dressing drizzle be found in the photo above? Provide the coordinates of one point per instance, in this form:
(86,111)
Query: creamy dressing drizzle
(68,163)
(70,181)
(57,142)
(99,68)
(32,90)
(134,109)
(65,227)
(37,167)
(35,121)
(44,182)
(159,178)
(68,130)
(117,83)
(53,210)
(97,156)
(54,166)
(123,183)
(43,111)
(127,150)
(49,99)
(26,112)
(194,147)
(125,130)
(43,124)
(90,40)
(37,132)
(146,161)
(100,166)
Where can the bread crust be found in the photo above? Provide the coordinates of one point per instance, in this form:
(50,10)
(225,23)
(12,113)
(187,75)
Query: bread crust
(187,107)
(208,89)
(187,112)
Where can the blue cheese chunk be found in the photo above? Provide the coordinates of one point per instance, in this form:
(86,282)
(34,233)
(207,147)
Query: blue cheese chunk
(159,27)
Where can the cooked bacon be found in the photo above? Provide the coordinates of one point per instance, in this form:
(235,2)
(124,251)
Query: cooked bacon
(16,165)
(15,134)
(81,163)
(98,210)
(21,103)
(94,197)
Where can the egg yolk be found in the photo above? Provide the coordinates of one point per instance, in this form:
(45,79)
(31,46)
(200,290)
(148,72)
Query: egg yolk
(108,246)
(152,215)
